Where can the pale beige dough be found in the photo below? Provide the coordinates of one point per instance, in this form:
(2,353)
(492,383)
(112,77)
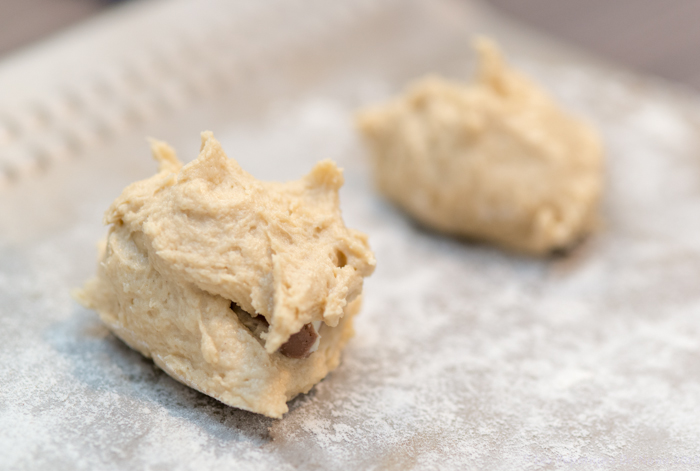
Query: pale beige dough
(187,242)
(495,160)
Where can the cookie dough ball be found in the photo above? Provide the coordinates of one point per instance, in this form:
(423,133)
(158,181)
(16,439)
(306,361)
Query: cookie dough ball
(242,289)
(495,160)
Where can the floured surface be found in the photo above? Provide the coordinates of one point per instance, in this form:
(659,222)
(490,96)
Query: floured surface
(465,357)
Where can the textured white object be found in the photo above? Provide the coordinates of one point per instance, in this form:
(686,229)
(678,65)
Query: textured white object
(465,357)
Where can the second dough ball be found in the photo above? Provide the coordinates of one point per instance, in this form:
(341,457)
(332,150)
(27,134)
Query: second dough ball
(495,160)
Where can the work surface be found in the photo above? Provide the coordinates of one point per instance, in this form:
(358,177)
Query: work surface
(465,357)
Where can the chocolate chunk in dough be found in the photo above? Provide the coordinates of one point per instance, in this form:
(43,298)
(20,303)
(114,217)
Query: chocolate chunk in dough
(299,345)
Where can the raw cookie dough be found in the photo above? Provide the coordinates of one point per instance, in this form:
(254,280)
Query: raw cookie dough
(495,160)
(227,282)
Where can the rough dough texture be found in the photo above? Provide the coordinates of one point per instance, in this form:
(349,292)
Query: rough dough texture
(187,242)
(495,160)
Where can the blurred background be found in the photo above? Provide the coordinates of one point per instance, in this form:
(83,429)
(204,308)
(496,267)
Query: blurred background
(25,21)
(652,36)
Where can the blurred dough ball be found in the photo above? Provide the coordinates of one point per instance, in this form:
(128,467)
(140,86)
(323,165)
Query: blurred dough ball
(494,160)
